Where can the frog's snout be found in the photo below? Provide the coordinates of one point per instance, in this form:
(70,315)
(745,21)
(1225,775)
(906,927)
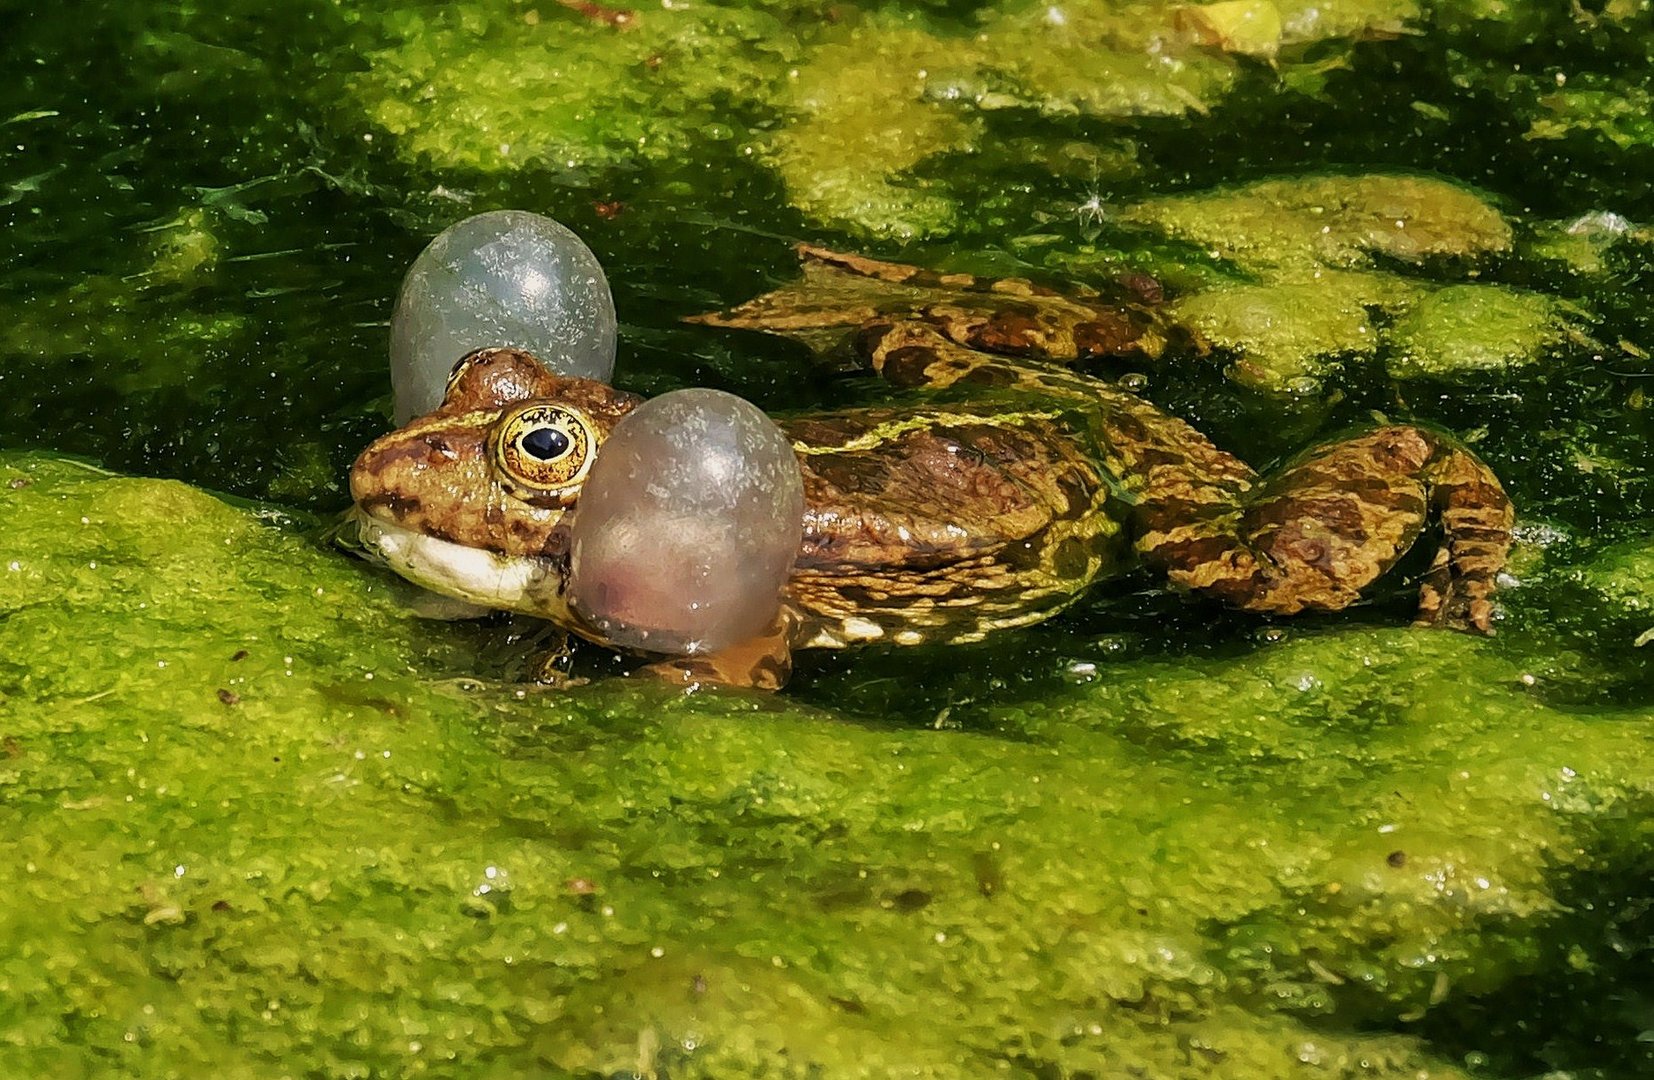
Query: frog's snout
(367,481)
(387,479)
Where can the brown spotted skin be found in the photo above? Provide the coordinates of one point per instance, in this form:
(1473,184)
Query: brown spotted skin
(839,294)
(437,474)
(946,523)
(1012,485)
(1310,536)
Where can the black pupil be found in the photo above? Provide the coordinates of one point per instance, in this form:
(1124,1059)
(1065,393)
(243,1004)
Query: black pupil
(546,443)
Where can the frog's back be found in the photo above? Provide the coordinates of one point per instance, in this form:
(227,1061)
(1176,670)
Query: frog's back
(944,522)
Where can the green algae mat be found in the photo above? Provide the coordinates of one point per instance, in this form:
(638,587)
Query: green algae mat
(264,819)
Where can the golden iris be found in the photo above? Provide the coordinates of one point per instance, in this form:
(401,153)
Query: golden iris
(545,447)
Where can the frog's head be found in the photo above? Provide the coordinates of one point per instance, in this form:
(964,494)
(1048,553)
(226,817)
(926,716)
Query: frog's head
(470,500)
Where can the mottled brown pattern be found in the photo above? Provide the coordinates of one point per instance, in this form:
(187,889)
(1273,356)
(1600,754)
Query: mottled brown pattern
(1107,335)
(839,294)
(888,487)
(1476,520)
(996,504)
(439,475)
(1322,529)
(1309,537)
(495,378)
(762,663)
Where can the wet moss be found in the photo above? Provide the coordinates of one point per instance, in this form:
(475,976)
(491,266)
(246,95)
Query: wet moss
(1288,336)
(1465,330)
(1322,255)
(858,101)
(1335,221)
(492,88)
(1585,244)
(1614,589)
(1615,112)
(258,795)
(1304,21)
(862,122)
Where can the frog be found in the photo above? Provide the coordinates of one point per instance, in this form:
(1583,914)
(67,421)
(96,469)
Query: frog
(1001,479)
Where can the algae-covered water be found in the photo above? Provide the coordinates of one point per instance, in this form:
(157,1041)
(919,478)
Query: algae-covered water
(261,820)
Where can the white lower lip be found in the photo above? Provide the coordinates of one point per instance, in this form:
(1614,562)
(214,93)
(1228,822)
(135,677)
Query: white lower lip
(522,583)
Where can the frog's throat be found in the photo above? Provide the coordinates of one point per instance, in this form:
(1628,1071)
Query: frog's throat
(528,584)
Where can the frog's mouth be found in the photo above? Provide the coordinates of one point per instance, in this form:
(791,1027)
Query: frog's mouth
(529,584)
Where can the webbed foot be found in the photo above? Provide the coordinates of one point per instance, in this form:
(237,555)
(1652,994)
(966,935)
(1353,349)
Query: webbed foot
(1476,519)
(550,665)
(1311,536)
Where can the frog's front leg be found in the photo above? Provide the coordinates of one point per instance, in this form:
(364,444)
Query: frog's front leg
(1314,534)
(550,662)
(763,662)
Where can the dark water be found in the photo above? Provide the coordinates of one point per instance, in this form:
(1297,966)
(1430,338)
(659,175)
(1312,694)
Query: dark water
(119,118)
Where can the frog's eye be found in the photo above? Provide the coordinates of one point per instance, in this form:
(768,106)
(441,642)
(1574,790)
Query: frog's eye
(547,448)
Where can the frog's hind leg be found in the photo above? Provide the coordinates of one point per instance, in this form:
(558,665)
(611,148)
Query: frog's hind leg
(914,353)
(1476,519)
(839,292)
(1014,316)
(1313,535)
(1308,537)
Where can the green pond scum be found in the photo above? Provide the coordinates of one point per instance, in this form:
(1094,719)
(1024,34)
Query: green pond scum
(263,819)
